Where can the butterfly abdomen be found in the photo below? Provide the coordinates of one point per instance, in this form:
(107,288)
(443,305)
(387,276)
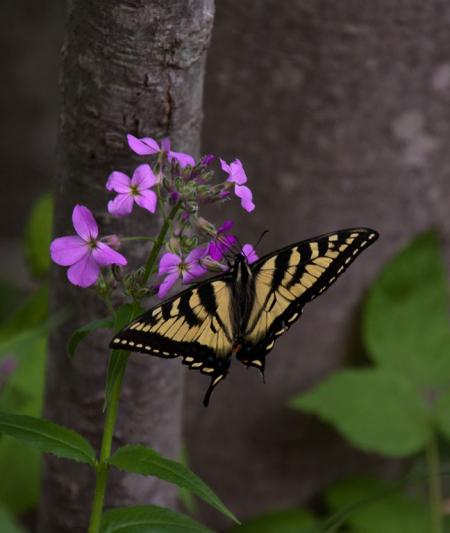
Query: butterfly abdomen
(243,294)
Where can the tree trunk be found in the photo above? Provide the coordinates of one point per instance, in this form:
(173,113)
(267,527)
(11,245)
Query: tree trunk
(340,112)
(133,67)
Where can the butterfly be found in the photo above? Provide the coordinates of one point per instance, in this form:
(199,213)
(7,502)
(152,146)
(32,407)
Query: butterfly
(243,311)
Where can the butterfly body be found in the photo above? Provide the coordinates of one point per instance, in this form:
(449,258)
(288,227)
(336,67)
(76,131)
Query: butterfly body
(243,311)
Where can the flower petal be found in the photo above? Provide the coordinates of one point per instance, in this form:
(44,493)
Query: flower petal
(226,226)
(66,251)
(167,284)
(193,271)
(121,206)
(147,199)
(183,160)
(239,175)
(249,253)
(118,182)
(225,166)
(104,255)
(143,177)
(143,146)
(84,223)
(84,272)
(214,251)
(168,264)
(246,196)
(195,255)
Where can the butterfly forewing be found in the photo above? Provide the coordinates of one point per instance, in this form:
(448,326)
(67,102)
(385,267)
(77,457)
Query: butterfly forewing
(194,325)
(289,278)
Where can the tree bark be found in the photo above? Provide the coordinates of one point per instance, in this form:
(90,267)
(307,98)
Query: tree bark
(340,112)
(128,66)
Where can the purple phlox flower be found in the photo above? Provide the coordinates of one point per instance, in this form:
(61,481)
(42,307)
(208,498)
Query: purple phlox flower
(84,253)
(222,242)
(148,146)
(237,175)
(174,267)
(137,189)
(249,253)
(181,158)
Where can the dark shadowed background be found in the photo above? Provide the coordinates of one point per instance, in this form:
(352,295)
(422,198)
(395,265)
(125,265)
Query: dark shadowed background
(340,112)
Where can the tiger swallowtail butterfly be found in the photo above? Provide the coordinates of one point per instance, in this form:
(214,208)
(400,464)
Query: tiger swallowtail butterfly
(243,311)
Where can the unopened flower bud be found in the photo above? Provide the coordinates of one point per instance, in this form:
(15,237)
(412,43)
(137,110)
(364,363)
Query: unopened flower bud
(207,159)
(112,240)
(205,225)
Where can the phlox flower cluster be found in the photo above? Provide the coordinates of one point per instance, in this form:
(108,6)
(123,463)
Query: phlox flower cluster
(176,186)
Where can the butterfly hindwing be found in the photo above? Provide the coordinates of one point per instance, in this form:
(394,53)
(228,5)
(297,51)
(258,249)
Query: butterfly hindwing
(194,325)
(289,278)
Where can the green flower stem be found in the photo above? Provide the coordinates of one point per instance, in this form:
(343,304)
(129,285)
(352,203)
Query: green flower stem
(434,485)
(137,238)
(102,466)
(159,242)
(105,453)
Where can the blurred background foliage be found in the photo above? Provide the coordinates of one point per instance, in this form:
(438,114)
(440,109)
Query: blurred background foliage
(23,340)
(394,401)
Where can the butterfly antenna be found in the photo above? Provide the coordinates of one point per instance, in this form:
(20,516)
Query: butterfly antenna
(240,244)
(260,238)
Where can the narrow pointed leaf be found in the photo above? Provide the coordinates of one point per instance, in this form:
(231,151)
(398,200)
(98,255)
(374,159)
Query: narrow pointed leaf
(149,519)
(47,437)
(147,462)
(79,334)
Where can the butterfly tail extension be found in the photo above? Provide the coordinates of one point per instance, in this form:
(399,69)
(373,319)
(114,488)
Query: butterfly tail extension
(215,380)
(218,374)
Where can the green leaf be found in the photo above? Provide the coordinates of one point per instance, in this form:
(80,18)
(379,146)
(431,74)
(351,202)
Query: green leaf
(11,296)
(149,519)
(38,236)
(79,334)
(47,437)
(22,393)
(31,314)
(376,411)
(405,319)
(283,521)
(368,505)
(7,522)
(145,461)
